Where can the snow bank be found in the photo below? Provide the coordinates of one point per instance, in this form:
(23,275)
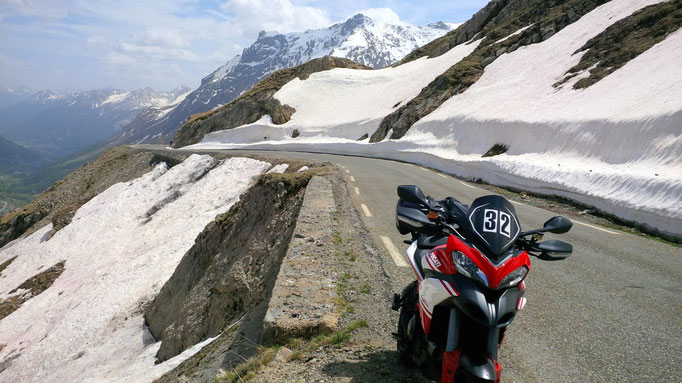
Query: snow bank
(616,145)
(120,248)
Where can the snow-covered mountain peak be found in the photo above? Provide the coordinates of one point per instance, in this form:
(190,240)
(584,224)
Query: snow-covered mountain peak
(45,94)
(266,34)
(359,38)
(358,20)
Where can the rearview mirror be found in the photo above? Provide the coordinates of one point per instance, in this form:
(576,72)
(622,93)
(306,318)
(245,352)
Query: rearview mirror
(558,225)
(412,194)
(554,250)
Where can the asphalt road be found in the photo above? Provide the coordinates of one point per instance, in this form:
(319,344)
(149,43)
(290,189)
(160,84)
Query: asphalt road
(612,312)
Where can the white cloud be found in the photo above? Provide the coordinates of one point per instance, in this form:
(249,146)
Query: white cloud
(274,15)
(136,43)
(383,16)
(165,37)
(133,43)
(160,53)
(120,59)
(44,9)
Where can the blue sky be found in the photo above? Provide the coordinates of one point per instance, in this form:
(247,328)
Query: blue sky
(128,44)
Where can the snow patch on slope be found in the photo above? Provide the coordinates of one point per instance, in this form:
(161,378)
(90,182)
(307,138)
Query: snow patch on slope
(514,34)
(346,103)
(520,85)
(120,248)
(116,98)
(220,72)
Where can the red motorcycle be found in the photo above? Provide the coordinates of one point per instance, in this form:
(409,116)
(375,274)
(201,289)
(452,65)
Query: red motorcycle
(470,264)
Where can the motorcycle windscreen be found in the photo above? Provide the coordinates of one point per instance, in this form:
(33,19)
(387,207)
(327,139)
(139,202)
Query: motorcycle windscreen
(493,222)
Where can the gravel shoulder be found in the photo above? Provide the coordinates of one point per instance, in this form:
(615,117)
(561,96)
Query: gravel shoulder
(364,294)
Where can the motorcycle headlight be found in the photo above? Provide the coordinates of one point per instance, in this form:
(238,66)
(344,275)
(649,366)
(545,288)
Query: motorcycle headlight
(513,278)
(468,268)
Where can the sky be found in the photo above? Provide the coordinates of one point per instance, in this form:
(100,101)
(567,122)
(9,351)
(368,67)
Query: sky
(130,44)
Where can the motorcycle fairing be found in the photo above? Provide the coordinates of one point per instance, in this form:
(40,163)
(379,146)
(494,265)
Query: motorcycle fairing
(411,251)
(494,273)
(432,292)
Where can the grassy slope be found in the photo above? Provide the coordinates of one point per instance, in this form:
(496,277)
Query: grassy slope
(20,189)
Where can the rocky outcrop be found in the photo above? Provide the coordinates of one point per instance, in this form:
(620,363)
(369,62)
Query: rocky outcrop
(29,289)
(496,24)
(16,223)
(231,268)
(256,102)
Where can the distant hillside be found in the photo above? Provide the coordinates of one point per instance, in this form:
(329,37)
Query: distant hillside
(11,95)
(56,124)
(16,162)
(14,158)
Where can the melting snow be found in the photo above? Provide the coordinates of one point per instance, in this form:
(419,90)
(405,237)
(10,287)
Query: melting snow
(120,249)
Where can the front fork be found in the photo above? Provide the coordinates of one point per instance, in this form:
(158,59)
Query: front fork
(452,353)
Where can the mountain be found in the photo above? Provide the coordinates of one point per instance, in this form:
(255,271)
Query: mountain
(15,158)
(10,95)
(56,124)
(577,98)
(359,38)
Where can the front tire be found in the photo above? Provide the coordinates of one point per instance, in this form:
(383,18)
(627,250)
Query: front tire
(408,309)
(412,347)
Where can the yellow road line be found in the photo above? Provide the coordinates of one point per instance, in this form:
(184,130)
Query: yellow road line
(597,228)
(395,254)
